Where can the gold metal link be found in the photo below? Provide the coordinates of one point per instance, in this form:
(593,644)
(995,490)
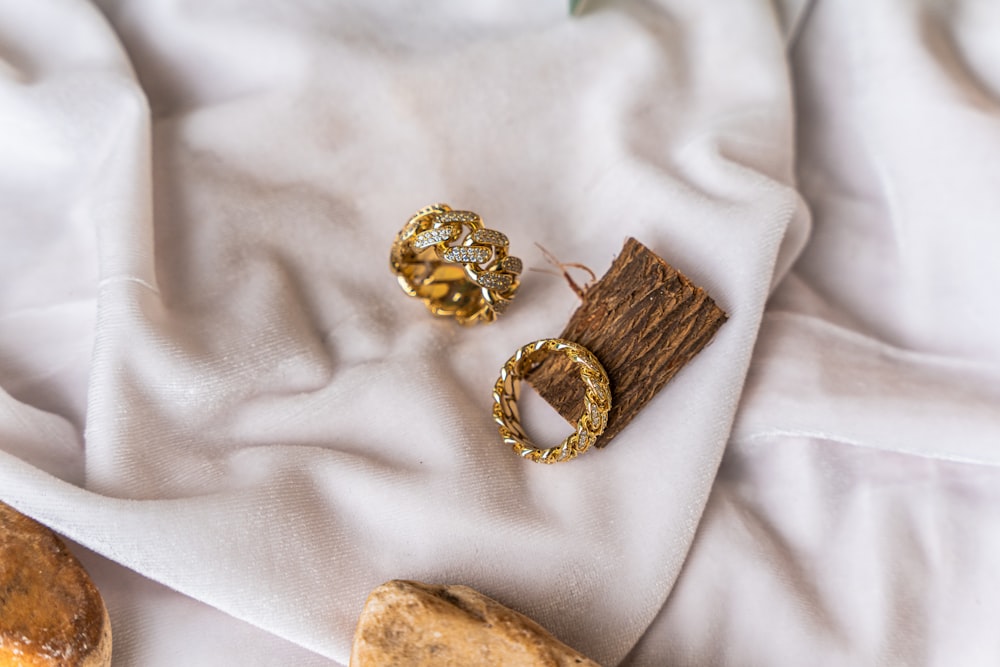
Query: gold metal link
(596,400)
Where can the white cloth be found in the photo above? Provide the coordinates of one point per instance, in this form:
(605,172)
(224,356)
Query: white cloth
(212,384)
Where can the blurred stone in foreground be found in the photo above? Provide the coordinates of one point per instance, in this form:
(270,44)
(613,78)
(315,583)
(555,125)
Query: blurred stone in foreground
(51,615)
(407,623)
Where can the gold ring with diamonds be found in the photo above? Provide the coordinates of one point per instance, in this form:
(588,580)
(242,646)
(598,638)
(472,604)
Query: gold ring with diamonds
(596,400)
(455,265)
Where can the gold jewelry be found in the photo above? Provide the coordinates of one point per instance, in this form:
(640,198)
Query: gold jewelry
(596,400)
(472,279)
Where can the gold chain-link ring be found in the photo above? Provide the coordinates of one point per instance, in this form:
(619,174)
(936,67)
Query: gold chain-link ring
(455,265)
(596,400)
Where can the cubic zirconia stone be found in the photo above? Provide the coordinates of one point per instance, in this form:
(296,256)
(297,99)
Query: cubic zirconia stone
(408,231)
(434,236)
(465,254)
(490,237)
(511,265)
(497,281)
(457,216)
(592,384)
(596,418)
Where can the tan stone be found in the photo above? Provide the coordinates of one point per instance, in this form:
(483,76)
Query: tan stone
(51,615)
(410,624)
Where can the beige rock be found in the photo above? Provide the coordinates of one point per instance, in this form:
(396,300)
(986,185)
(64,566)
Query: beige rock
(51,615)
(410,624)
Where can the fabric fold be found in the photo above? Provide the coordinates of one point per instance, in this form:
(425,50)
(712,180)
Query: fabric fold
(272,428)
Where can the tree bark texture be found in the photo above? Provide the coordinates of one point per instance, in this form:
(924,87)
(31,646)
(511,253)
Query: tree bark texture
(644,320)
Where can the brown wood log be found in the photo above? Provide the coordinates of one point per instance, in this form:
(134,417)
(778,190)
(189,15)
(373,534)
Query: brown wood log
(643,320)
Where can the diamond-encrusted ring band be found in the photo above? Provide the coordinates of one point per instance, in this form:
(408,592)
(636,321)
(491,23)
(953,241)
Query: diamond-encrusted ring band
(596,400)
(455,265)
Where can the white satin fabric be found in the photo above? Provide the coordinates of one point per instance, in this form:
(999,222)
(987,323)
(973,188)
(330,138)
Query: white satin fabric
(212,385)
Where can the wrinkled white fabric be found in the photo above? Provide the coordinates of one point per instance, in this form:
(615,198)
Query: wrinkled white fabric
(854,519)
(212,385)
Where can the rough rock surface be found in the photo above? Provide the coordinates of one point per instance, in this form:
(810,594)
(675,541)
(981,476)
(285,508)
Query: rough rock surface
(51,615)
(407,623)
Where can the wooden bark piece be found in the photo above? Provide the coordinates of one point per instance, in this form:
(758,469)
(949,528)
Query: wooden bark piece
(643,320)
(410,624)
(51,615)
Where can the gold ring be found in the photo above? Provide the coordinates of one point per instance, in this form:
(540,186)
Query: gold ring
(596,400)
(455,265)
